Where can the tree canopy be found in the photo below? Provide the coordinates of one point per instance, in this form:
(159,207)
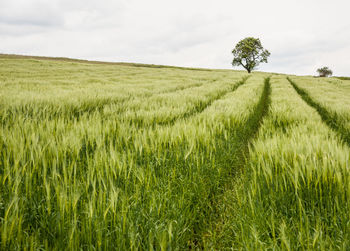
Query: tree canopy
(249,53)
(324,72)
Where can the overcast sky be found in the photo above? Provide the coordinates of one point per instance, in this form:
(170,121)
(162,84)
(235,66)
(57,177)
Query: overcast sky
(301,35)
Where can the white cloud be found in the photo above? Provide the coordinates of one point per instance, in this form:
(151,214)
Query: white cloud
(30,13)
(301,35)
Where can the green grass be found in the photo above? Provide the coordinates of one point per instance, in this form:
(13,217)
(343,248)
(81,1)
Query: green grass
(295,192)
(343,78)
(337,120)
(122,156)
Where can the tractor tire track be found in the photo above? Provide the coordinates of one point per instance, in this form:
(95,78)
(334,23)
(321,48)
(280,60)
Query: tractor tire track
(331,119)
(234,156)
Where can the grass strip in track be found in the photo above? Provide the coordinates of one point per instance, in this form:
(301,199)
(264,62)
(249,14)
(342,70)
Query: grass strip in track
(230,156)
(330,118)
(235,159)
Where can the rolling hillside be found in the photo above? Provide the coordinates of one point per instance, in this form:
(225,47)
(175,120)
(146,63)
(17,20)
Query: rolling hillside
(125,156)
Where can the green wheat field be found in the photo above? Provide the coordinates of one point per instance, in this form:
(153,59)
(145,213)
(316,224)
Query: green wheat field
(98,156)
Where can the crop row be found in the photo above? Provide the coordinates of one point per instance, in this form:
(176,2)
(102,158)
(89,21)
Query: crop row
(334,112)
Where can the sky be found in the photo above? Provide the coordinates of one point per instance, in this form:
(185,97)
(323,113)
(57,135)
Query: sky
(302,35)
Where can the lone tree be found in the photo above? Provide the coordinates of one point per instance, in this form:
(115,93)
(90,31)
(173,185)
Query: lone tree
(324,72)
(249,53)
